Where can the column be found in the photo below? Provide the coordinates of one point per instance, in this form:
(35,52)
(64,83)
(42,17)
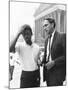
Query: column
(58,19)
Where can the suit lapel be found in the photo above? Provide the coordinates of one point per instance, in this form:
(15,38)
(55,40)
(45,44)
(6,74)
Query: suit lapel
(46,44)
(54,40)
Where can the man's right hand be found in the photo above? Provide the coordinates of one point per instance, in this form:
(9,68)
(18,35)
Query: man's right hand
(50,64)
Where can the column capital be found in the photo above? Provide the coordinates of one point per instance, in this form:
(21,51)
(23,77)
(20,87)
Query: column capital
(59,10)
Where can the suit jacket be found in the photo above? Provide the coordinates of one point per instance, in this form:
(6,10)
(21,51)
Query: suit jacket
(58,54)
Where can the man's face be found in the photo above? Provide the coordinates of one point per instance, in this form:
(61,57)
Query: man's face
(47,27)
(27,36)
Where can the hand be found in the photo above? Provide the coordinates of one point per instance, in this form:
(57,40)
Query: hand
(49,65)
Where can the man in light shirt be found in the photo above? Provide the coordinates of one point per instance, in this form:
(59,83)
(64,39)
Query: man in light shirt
(29,57)
(54,60)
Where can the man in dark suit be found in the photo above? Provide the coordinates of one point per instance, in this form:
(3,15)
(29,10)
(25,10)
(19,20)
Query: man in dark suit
(54,60)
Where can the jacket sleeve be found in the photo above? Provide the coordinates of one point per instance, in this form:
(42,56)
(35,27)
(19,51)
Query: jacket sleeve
(62,59)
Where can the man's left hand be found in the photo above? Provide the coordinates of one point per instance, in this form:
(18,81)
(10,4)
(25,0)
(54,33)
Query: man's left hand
(50,64)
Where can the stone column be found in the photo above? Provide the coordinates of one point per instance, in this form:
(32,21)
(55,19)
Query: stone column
(58,19)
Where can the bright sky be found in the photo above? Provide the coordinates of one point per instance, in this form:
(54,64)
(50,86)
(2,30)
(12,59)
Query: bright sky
(21,13)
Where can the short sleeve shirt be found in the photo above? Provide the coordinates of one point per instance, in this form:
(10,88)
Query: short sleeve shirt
(28,55)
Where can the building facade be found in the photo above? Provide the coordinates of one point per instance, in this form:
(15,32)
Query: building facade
(56,11)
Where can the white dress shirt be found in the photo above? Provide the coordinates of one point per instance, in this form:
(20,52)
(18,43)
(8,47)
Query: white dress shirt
(50,47)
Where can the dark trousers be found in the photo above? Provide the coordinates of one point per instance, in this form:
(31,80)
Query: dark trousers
(54,83)
(53,80)
(30,79)
(51,77)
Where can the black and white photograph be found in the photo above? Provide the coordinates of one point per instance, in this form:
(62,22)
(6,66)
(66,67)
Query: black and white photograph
(37,44)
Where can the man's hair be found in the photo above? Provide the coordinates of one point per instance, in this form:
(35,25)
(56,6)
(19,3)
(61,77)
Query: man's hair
(26,28)
(51,20)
